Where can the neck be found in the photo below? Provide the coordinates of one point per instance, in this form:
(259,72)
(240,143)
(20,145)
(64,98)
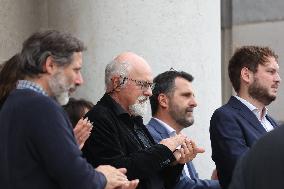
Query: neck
(168,120)
(41,82)
(253,101)
(120,101)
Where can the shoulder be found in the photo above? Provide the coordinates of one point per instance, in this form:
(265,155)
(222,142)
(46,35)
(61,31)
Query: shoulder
(226,110)
(152,128)
(100,113)
(29,100)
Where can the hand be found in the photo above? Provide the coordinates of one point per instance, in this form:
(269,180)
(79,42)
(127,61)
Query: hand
(115,177)
(185,153)
(130,185)
(82,131)
(173,142)
(214,175)
(196,149)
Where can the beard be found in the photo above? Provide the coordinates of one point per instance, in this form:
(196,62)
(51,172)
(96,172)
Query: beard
(260,93)
(179,115)
(60,88)
(139,108)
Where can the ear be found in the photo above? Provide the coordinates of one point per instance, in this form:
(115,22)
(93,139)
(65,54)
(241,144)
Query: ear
(49,67)
(116,83)
(163,100)
(246,75)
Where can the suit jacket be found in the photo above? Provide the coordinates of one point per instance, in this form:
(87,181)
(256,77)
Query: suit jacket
(262,167)
(234,128)
(159,133)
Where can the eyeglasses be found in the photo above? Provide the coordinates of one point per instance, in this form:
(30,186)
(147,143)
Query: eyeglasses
(144,85)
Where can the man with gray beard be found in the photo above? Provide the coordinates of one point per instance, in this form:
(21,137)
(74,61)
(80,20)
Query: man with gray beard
(237,125)
(120,138)
(172,103)
(37,144)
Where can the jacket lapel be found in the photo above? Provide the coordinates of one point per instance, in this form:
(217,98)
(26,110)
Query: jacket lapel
(273,123)
(247,114)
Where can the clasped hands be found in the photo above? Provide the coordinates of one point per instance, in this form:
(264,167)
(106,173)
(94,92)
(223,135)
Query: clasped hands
(183,148)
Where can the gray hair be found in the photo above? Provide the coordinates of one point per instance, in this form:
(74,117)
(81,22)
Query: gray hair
(115,68)
(39,46)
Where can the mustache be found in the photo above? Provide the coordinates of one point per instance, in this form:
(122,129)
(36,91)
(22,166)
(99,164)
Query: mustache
(189,109)
(275,86)
(142,99)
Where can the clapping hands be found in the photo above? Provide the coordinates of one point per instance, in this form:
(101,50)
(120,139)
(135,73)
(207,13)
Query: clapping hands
(82,131)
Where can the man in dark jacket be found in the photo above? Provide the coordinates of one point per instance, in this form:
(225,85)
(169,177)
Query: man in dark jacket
(237,125)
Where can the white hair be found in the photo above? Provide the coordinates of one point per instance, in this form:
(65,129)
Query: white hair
(112,69)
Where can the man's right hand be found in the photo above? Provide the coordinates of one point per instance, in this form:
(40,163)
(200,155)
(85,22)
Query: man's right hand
(116,178)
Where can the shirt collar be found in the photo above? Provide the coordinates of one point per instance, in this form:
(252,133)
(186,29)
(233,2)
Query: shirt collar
(254,109)
(25,84)
(169,129)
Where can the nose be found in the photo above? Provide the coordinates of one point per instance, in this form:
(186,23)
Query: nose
(148,92)
(79,79)
(278,78)
(193,102)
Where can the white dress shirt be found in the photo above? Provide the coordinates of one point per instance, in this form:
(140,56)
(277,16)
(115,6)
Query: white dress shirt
(171,132)
(262,119)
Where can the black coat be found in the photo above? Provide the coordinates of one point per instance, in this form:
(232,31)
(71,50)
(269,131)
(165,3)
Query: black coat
(113,141)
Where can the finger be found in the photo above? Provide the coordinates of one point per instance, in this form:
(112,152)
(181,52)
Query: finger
(190,146)
(121,176)
(185,148)
(78,126)
(182,154)
(133,184)
(122,170)
(199,150)
(177,155)
(82,131)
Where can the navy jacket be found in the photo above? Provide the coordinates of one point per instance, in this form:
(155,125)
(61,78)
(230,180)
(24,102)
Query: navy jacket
(233,130)
(159,133)
(37,146)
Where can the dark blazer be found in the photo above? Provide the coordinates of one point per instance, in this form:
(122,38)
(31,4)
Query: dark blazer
(159,133)
(234,128)
(262,167)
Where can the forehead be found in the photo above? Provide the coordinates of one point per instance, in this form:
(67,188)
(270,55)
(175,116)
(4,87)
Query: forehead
(77,59)
(183,85)
(270,63)
(141,72)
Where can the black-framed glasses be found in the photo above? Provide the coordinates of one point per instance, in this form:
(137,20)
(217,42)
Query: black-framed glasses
(144,85)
